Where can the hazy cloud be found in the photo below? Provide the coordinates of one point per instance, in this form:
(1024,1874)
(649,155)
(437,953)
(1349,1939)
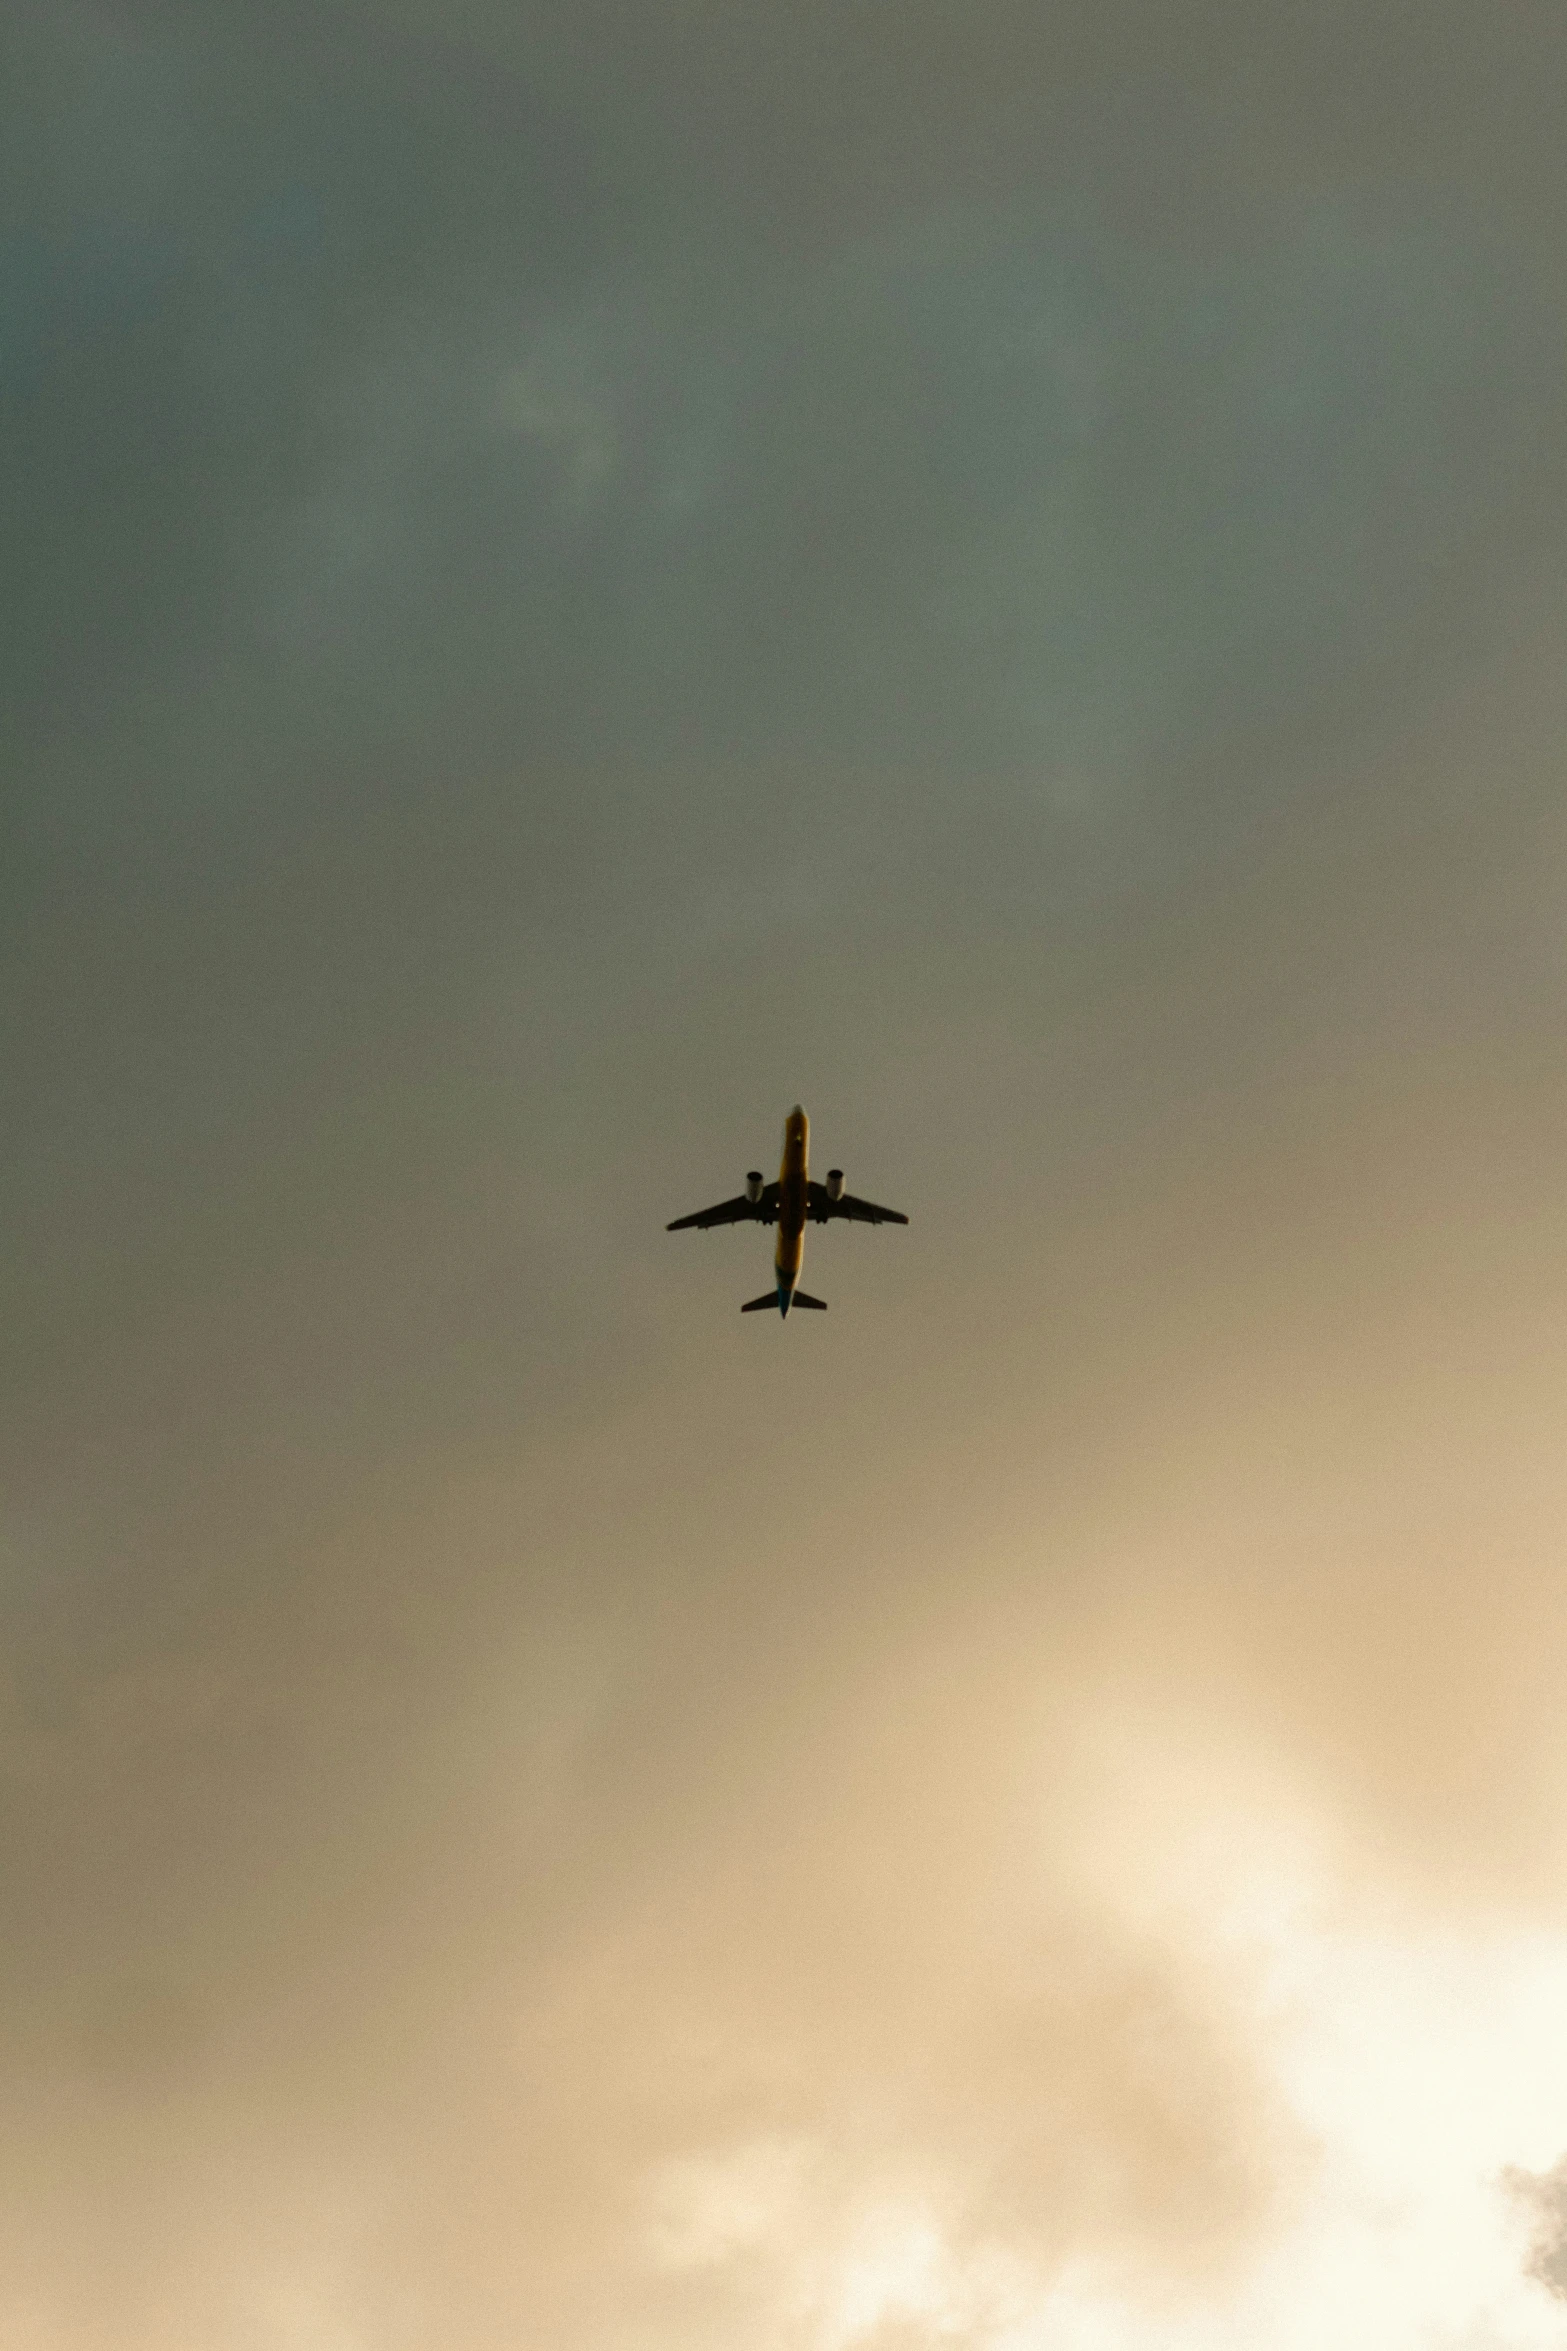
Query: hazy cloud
(577,575)
(1543,2196)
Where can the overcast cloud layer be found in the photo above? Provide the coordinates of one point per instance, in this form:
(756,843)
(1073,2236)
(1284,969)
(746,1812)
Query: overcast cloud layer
(572,578)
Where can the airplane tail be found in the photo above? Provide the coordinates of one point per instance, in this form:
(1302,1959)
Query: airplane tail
(775,1298)
(802,1298)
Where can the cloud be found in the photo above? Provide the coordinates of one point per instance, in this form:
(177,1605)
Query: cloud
(566,591)
(1002,480)
(1543,2196)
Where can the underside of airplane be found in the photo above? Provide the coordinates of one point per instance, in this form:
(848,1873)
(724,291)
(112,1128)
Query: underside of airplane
(790,1203)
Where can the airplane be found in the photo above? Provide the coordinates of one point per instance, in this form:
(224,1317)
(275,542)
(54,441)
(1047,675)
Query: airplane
(788,1204)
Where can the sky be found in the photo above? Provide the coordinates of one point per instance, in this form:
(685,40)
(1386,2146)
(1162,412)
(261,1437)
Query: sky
(576,575)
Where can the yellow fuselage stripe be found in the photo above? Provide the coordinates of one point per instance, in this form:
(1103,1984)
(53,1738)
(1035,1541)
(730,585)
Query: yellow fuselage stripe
(792,1176)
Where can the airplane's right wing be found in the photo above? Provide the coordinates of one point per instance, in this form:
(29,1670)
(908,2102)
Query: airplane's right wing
(745,1210)
(821,1205)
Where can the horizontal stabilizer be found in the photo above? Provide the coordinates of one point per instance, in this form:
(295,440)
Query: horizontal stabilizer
(755,1305)
(801,1298)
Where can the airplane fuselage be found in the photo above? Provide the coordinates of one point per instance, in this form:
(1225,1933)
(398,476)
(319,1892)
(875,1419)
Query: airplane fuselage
(793,1176)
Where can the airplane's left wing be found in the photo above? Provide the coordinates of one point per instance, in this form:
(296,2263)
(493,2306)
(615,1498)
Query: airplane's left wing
(821,1205)
(745,1210)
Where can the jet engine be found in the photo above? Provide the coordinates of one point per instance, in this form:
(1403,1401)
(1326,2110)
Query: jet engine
(753,1185)
(835,1183)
